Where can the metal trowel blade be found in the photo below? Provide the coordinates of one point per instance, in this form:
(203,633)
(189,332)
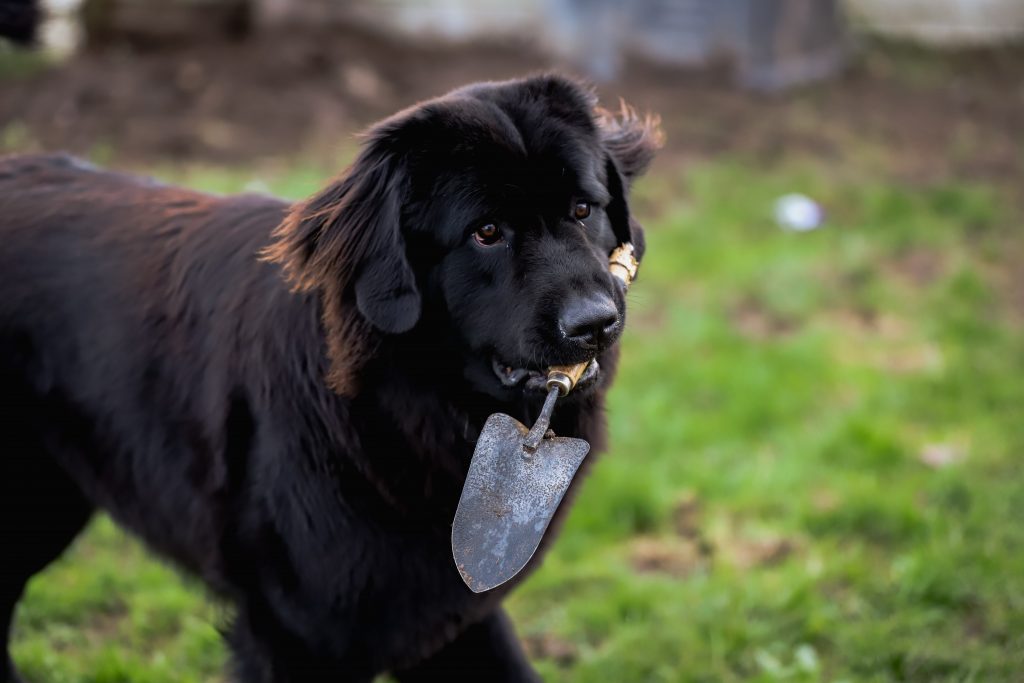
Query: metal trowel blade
(508,500)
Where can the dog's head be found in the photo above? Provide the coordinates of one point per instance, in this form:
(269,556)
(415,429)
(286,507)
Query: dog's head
(483,221)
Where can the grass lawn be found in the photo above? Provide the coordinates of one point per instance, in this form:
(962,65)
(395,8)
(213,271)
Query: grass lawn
(816,472)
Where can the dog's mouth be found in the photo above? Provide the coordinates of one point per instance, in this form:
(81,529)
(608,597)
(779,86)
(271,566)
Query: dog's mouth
(534,379)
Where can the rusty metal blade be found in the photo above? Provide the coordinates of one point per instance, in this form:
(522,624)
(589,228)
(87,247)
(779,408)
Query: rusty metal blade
(508,500)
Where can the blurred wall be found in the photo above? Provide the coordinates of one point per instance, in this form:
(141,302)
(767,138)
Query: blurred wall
(950,23)
(446,19)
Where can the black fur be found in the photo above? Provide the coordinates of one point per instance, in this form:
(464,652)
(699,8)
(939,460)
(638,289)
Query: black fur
(284,399)
(19,20)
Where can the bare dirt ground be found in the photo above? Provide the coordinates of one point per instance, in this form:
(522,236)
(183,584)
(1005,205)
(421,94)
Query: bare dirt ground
(930,117)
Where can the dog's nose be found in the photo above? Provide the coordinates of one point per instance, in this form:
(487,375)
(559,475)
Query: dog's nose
(590,321)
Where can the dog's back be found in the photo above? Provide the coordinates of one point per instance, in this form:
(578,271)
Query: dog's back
(119,339)
(92,261)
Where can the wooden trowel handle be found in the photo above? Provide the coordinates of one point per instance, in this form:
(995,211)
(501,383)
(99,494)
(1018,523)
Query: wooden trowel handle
(623,264)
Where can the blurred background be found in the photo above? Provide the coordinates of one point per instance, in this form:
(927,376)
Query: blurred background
(817,461)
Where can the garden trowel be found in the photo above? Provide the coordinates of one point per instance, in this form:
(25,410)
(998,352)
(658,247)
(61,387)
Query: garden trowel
(517,478)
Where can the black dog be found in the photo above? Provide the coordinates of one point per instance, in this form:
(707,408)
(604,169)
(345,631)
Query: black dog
(283,399)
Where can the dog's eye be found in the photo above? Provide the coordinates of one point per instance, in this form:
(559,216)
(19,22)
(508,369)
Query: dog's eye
(488,235)
(581,210)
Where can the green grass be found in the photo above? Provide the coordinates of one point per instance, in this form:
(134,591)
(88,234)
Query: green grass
(20,64)
(766,512)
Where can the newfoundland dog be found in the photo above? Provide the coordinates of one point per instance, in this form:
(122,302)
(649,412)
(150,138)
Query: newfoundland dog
(283,399)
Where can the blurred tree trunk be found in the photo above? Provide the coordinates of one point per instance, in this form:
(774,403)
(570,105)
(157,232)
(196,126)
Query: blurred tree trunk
(277,14)
(161,23)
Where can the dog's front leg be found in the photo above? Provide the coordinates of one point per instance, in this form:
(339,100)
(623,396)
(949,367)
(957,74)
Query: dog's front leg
(263,652)
(486,651)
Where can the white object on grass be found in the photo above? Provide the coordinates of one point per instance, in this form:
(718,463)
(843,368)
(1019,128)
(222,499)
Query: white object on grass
(798,212)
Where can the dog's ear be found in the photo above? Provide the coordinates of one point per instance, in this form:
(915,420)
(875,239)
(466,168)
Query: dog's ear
(626,229)
(348,238)
(630,139)
(630,143)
